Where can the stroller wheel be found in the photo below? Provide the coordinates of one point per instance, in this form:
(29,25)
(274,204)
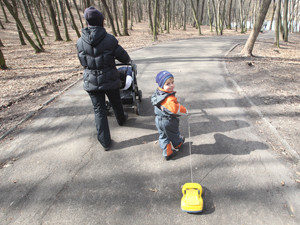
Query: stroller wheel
(140,95)
(137,108)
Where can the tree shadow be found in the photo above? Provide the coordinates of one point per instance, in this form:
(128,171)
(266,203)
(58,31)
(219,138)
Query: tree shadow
(222,145)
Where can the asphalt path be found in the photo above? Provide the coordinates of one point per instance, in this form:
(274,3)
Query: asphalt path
(55,172)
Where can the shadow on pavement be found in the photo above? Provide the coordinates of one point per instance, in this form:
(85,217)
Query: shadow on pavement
(223,145)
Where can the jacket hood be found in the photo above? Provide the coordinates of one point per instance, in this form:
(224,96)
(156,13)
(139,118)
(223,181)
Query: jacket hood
(159,96)
(93,35)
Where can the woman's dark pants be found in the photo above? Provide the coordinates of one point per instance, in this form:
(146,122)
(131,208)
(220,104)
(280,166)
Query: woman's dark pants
(98,100)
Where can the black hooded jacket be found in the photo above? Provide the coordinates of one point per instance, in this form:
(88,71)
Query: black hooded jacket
(97,51)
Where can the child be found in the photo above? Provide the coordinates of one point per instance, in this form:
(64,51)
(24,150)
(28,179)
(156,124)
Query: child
(167,109)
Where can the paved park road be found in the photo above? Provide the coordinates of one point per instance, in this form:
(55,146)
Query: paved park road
(55,171)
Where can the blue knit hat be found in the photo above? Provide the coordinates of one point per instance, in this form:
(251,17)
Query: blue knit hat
(93,17)
(162,77)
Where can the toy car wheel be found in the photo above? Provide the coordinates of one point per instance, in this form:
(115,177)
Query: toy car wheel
(140,95)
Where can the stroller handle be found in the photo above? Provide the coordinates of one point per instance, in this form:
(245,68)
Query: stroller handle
(118,63)
(133,66)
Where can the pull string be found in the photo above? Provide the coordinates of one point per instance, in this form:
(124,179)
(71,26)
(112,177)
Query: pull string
(190,149)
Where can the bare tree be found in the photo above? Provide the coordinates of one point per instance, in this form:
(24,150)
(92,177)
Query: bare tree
(196,17)
(109,17)
(21,37)
(248,48)
(149,15)
(216,16)
(53,20)
(277,23)
(72,18)
(242,20)
(184,14)
(64,20)
(210,18)
(125,24)
(155,16)
(34,29)
(2,61)
(4,12)
(273,13)
(11,11)
(168,16)
(285,21)
(229,11)
(115,8)
(75,4)
(2,27)
(38,11)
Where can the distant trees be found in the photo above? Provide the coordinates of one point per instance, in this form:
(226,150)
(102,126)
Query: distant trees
(20,25)
(162,16)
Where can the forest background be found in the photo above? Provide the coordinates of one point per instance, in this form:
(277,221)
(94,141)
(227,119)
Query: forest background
(38,58)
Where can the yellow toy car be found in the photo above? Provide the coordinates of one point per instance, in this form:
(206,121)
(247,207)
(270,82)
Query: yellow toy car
(191,200)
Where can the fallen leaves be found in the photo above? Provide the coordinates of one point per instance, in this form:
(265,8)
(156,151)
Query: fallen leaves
(153,190)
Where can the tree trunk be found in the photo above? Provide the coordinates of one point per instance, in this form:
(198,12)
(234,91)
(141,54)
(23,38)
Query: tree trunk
(35,25)
(184,14)
(155,13)
(32,26)
(64,20)
(39,13)
(285,21)
(242,17)
(273,13)
(222,16)
(2,61)
(168,16)
(2,27)
(150,15)
(75,4)
(216,16)
(210,20)
(277,23)
(10,9)
(125,21)
(116,16)
(248,48)
(202,12)
(54,22)
(1,44)
(109,17)
(57,10)
(21,37)
(72,18)
(4,13)
(229,14)
(195,17)
(165,14)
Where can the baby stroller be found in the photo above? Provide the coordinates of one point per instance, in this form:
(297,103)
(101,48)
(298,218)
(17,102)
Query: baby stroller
(130,94)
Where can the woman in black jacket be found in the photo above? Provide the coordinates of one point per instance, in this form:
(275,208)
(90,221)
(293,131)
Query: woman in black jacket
(97,51)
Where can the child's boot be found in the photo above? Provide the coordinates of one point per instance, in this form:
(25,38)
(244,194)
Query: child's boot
(177,148)
(170,152)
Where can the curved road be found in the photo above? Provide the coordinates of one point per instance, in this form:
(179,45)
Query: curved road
(55,172)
